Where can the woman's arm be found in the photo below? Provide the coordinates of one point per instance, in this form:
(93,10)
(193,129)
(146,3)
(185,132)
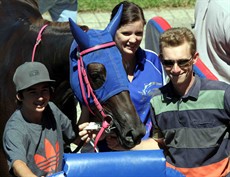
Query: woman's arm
(148,144)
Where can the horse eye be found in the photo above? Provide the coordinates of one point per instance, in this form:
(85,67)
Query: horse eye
(96,74)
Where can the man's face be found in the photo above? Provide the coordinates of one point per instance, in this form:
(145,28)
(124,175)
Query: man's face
(178,63)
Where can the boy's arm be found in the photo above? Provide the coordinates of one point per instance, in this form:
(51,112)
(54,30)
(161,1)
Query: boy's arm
(20,169)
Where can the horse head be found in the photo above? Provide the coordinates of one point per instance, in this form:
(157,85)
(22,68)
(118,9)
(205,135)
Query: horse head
(102,63)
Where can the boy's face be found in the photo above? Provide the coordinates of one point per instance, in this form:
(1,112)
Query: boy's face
(35,98)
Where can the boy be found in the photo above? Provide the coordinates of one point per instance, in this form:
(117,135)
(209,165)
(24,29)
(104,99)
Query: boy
(32,137)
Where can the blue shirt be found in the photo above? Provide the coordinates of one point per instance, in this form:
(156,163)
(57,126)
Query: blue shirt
(148,76)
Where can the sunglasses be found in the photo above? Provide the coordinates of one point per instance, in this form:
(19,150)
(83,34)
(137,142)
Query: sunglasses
(181,63)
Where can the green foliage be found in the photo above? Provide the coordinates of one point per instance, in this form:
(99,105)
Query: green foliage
(107,5)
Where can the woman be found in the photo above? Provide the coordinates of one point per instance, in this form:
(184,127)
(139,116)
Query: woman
(143,68)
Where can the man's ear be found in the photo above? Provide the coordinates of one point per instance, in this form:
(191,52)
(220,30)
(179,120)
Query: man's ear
(195,57)
(19,96)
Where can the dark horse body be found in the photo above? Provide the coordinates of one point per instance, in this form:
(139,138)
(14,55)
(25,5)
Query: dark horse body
(20,23)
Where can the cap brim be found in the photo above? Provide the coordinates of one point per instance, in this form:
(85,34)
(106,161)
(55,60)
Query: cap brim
(36,82)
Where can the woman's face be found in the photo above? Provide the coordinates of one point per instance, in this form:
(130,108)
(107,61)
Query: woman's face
(128,37)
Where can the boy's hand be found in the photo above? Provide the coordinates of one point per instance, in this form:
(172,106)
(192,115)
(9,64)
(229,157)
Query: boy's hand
(86,134)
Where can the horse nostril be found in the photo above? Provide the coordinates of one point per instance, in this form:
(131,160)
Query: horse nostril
(129,136)
(134,136)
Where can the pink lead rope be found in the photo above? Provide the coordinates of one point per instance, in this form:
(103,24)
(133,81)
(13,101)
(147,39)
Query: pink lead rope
(38,40)
(83,79)
(83,75)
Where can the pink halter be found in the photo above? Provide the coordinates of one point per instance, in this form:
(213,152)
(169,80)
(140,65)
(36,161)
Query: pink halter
(83,79)
(107,119)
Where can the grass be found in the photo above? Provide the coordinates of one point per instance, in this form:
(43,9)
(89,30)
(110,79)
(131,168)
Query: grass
(107,5)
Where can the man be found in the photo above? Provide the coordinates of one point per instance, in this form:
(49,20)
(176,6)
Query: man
(191,115)
(59,10)
(33,140)
(212,24)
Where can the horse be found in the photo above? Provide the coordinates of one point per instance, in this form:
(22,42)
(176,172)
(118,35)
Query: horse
(21,22)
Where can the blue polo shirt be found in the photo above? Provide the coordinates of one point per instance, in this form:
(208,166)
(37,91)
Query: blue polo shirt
(148,76)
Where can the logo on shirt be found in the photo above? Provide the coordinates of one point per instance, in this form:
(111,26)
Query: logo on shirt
(48,163)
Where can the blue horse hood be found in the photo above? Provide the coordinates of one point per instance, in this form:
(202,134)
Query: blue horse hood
(116,78)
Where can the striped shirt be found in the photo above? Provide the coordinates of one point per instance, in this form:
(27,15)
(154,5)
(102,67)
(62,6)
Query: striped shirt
(195,127)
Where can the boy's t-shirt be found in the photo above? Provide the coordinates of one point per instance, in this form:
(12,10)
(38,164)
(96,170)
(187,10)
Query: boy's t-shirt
(39,146)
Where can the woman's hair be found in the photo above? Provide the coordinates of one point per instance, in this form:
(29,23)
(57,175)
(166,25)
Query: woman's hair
(174,37)
(131,13)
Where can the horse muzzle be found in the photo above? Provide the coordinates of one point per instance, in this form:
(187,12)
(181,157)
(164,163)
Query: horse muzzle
(131,137)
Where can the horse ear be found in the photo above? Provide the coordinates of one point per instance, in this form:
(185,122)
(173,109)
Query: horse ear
(79,35)
(113,25)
